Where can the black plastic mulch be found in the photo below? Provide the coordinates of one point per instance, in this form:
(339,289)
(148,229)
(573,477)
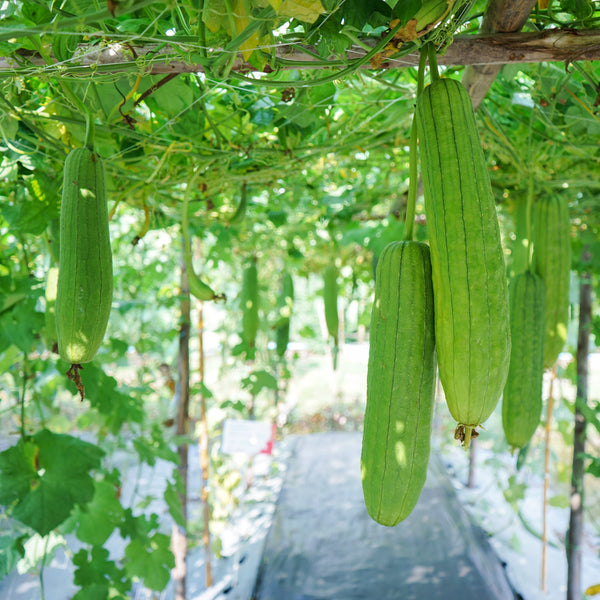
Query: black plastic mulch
(322,545)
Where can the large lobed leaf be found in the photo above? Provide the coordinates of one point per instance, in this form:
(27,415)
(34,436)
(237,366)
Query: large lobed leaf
(43,477)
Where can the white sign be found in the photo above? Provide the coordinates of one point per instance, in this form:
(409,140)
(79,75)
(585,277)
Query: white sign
(247,437)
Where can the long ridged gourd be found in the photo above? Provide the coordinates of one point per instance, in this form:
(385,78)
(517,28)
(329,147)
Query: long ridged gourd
(53,232)
(50,335)
(552,262)
(249,301)
(522,397)
(330,298)
(469,275)
(400,383)
(520,245)
(284,312)
(85,276)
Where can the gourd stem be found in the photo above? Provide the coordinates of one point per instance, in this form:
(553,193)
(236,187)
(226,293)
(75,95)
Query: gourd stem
(528,216)
(433,64)
(468,436)
(90,130)
(201,28)
(412,184)
(421,72)
(414,159)
(90,127)
(187,249)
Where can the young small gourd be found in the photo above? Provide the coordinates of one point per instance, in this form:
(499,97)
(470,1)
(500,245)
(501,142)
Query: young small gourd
(249,303)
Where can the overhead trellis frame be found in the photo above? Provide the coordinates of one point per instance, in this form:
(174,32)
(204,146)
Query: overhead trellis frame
(561,45)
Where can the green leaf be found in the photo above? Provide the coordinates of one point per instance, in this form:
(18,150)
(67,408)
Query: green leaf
(38,548)
(137,526)
(93,591)
(263,116)
(9,126)
(594,467)
(38,14)
(199,388)
(259,380)
(172,496)
(580,9)
(99,518)
(560,501)
(406,10)
(19,321)
(149,449)
(44,477)
(98,576)
(591,415)
(103,394)
(17,471)
(300,112)
(236,405)
(151,560)
(20,325)
(172,98)
(215,14)
(11,551)
(332,41)
(322,96)
(277,217)
(515,491)
(28,215)
(358,13)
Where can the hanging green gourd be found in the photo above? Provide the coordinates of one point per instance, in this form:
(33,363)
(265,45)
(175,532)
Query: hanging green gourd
(85,277)
(197,286)
(249,305)
(330,299)
(472,326)
(284,313)
(522,396)
(552,262)
(400,373)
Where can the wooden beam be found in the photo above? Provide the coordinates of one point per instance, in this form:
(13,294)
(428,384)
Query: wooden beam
(490,50)
(497,49)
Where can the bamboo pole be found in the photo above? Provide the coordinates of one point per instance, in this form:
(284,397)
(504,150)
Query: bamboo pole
(203,449)
(548,431)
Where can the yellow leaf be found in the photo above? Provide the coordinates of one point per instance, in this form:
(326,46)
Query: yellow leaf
(242,20)
(275,4)
(593,590)
(303,10)
(214,15)
(249,46)
(543,4)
